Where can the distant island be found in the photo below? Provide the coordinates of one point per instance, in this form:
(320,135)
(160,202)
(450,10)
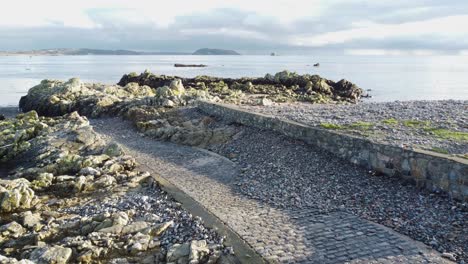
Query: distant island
(85,51)
(207,51)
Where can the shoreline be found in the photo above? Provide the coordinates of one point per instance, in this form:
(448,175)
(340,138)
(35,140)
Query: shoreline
(271,169)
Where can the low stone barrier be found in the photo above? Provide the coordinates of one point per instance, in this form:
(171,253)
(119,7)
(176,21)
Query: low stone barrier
(426,169)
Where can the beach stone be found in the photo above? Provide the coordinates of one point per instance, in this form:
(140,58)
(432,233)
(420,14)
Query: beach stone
(177,87)
(178,253)
(168,103)
(113,150)
(2,117)
(135,227)
(89,171)
(7,260)
(11,230)
(51,255)
(265,102)
(30,219)
(198,250)
(15,194)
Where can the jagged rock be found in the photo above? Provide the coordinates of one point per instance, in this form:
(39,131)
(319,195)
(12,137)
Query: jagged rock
(6,260)
(31,220)
(43,180)
(51,255)
(139,242)
(11,230)
(113,150)
(198,250)
(178,253)
(135,227)
(177,87)
(15,194)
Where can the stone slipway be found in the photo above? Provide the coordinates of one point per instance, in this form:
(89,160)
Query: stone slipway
(278,235)
(427,169)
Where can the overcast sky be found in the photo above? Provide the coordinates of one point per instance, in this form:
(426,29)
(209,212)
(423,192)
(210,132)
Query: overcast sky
(250,26)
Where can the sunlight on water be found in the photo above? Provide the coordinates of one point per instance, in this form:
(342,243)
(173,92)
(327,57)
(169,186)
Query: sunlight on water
(389,78)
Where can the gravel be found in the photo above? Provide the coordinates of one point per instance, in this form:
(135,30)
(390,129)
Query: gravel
(422,116)
(290,174)
(155,206)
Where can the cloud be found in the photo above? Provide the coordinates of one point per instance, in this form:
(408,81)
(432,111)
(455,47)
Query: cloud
(438,27)
(422,26)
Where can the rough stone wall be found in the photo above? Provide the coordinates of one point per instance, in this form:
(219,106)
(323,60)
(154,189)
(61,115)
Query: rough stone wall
(434,171)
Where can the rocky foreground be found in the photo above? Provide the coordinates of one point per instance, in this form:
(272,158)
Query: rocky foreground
(71,197)
(154,105)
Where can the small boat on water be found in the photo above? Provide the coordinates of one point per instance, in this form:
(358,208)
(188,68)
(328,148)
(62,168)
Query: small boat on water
(317,65)
(189,65)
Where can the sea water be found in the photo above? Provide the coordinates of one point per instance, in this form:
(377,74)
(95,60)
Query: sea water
(387,78)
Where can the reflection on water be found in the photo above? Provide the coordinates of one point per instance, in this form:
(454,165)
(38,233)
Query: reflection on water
(389,78)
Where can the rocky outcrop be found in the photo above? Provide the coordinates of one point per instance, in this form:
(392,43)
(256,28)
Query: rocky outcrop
(281,87)
(74,198)
(172,125)
(54,98)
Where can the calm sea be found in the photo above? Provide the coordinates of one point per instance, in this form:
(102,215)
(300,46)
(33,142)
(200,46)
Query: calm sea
(388,78)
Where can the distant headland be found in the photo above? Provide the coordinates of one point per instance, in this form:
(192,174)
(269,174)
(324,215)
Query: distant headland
(86,51)
(207,51)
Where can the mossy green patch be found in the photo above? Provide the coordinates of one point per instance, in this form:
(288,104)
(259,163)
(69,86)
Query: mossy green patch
(390,121)
(331,126)
(449,134)
(416,123)
(439,150)
(361,125)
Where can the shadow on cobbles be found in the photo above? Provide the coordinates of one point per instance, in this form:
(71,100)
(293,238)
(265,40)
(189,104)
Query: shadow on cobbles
(284,234)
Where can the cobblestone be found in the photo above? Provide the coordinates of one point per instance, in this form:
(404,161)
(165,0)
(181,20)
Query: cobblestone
(280,235)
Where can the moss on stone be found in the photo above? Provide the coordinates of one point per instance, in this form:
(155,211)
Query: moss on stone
(361,125)
(416,123)
(449,134)
(390,121)
(439,150)
(331,126)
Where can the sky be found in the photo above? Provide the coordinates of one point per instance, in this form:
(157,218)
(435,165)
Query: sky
(362,27)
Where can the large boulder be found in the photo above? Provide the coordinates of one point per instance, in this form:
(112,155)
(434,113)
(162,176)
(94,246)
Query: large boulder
(51,255)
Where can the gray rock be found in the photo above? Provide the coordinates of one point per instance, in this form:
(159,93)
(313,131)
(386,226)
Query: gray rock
(51,255)
(178,253)
(134,227)
(89,171)
(30,219)
(198,249)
